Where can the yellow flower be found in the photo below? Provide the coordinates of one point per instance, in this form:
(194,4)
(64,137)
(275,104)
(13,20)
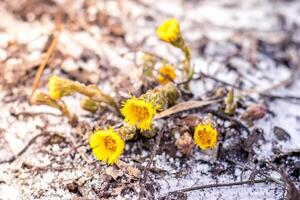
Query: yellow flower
(107,145)
(169,31)
(138,112)
(59,87)
(166,74)
(205,136)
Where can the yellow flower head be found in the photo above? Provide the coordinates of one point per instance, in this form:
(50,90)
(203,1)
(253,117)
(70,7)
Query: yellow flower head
(166,74)
(59,87)
(169,31)
(205,136)
(107,145)
(138,112)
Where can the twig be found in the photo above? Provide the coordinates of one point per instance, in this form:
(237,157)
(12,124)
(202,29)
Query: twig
(147,168)
(203,75)
(45,60)
(259,172)
(201,187)
(292,191)
(13,158)
(286,97)
(228,118)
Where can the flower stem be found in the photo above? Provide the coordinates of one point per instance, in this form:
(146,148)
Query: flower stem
(187,60)
(93,92)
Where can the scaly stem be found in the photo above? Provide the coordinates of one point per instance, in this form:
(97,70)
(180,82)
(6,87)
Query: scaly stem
(93,92)
(187,61)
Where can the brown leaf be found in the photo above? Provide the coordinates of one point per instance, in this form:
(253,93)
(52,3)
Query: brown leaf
(191,121)
(114,172)
(133,171)
(188,105)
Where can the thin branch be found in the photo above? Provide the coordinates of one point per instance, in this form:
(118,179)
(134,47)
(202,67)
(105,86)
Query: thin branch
(286,97)
(31,141)
(148,166)
(201,187)
(228,118)
(259,172)
(46,59)
(203,75)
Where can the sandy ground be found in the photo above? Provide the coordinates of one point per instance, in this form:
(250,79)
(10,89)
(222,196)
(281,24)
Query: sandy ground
(253,45)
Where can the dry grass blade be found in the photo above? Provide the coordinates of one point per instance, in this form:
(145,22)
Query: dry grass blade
(184,106)
(46,58)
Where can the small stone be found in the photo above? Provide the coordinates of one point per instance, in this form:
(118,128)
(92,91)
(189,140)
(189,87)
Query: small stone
(281,134)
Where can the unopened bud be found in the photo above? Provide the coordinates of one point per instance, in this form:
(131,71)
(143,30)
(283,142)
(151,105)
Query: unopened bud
(40,98)
(60,87)
(89,105)
(185,144)
(254,112)
(127,132)
(220,92)
(230,103)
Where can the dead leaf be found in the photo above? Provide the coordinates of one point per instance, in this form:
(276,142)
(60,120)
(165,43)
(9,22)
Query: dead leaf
(114,172)
(188,105)
(191,121)
(133,171)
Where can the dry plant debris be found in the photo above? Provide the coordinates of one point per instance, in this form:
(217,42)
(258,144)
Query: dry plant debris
(134,100)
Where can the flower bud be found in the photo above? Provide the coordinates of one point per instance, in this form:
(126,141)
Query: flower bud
(89,105)
(185,144)
(60,87)
(254,112)
(230,103)
(169,31)
(166,74)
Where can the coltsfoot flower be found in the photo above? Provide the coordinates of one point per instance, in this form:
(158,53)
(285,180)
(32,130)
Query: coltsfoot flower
(205,135)
(169,31)
(59,87)
(107,145)
(138,112)
(166,74)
